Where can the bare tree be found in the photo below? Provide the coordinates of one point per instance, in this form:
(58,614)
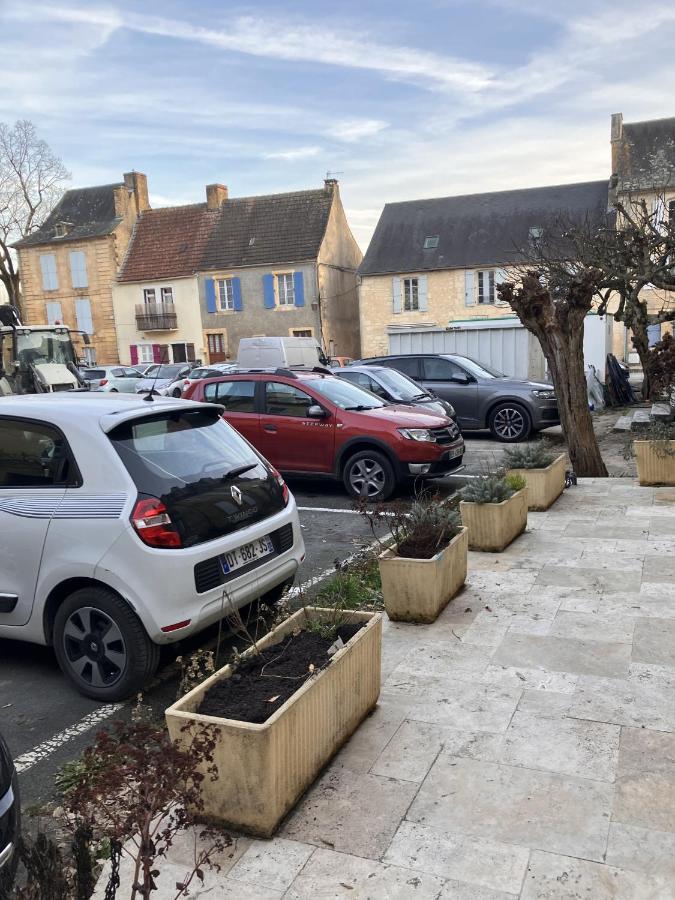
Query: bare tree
(31,183)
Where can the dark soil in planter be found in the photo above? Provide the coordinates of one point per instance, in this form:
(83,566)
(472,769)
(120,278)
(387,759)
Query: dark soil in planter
(264,681)
(424,544)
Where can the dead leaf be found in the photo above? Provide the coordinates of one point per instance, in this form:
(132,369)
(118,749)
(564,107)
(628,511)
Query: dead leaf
(489,608)
(311,668)
(272,699)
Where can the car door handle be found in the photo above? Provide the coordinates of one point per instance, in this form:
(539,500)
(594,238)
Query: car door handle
(272,428)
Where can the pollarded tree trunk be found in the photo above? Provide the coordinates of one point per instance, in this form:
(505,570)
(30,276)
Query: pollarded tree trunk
(640,341)
(558,324)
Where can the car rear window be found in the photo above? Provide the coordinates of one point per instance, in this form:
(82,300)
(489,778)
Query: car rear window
(187,458)
(93,373)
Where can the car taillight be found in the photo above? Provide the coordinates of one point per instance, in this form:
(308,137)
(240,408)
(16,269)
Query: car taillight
(153,524)
(186,382)
(282,484)
(103,382)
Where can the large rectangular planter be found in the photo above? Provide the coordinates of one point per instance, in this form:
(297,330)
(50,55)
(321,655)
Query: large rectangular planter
(416,590)
(264,769)
(492,526)
(655,462)
(544,486)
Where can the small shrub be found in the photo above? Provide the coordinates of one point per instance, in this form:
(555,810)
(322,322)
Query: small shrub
(516,482)
(419,531)
(492,488)
(661,367)
(531,456)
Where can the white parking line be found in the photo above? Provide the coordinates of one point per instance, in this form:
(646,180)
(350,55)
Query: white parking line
(328,509)
(42,751)
(316,579)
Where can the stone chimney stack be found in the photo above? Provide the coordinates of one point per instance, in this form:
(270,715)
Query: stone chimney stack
(216,195)
(330,185)
(137,184)
(616,140)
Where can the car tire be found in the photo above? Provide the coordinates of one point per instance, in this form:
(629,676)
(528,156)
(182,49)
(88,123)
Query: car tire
(510,423)
(177,393)
(369,474)
(110,667)
(113,391)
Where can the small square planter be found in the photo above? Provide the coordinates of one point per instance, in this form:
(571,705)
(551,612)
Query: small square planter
(416,590)
(655,462)
(492,526)
(544,486)
(264,769)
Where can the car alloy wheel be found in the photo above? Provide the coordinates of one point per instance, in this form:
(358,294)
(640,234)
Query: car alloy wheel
(367,478)
(94,647)
(509,423)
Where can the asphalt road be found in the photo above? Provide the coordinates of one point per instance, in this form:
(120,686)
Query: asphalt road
(47,723)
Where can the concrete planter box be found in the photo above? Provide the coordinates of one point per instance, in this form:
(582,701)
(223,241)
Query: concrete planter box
(492,526)
(265,769)
(655,462)
(544,486)
(416,590)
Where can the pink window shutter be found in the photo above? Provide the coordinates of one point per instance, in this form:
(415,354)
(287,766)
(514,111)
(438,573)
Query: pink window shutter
(133,354)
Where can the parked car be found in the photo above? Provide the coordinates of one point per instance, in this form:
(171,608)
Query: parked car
(127,524)
(271,352)
(312,423)
(10,816)
(483,398)
(178,387)
(395,387)
(160,377)
(116,379)
(341,361)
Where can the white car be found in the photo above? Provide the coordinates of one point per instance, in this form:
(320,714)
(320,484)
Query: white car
(126,524)
(178,387)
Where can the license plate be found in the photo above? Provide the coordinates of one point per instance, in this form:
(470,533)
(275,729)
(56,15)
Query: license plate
(458,451)
(246,554)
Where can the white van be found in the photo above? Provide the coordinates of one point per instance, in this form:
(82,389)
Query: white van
(280,352)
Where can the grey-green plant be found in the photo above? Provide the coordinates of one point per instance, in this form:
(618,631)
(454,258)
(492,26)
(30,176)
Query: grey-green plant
(493,488)
(530,456)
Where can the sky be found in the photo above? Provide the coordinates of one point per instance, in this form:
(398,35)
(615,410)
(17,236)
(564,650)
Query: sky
(397,100)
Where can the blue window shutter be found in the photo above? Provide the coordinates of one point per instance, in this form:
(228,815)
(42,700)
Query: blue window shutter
(268,291)
(299,285)
(423,293)
(210,289)
(236,294)
(396,287)
(83,315)
(469,297)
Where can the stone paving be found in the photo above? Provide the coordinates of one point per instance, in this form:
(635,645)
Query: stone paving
(523,745)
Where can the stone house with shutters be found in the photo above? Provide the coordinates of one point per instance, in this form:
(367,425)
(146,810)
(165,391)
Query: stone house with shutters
(68,266)
(280,265)
(437,262)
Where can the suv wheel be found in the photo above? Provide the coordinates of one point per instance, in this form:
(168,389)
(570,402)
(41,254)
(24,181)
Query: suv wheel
(101,645)
(369,475)
(510,422)
(177,393)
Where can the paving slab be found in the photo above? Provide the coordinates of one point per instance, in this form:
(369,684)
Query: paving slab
(599,625)
(654,642)
(658,568)
(626,701)
(271,864)
(645,794)
(586,577)
(512,804)
(641,849)
(463,705)
(563,654)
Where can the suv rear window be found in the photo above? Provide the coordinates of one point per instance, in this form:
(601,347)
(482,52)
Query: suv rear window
(190,460)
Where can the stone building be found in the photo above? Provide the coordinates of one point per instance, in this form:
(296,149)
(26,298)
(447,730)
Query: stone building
(69,265)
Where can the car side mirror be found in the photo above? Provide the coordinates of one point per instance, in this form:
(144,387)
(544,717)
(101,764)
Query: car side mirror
(460,379)
(316,412)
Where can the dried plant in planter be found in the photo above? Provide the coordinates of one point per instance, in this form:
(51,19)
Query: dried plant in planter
(493,488)
(418,531)
(531,456)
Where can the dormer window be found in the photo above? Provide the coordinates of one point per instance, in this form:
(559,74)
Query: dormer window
(431,242)
(251,242)
(536,233)
(61,229)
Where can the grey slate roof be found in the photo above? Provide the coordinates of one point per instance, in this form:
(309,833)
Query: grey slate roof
(91,212)
(646,157)
(268,230)
(474,230)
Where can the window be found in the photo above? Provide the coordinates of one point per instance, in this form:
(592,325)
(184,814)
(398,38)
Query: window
(536,233)
(54,313)
(90,356)
(301,332)
(145,353)
(50,281)
(486,287)
(225,294)
(117,373)
(167,295)
(236,396)
(438,369)
(409,365)
(132,373)
(285,289)
(410,288)
(430,243)
(78,269)
(148,295)
(83,315)
(34,455)
(215,343)
(364,381)
(286,400)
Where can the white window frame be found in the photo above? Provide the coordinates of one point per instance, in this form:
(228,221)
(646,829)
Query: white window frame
(50,277)
(149,295)
(285,285)
(481,275)
(225,295)
(166,293)
(145,354)
(78,269)
(293,332)
(410,294)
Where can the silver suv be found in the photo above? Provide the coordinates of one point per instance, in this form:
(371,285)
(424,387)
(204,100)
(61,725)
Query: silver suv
(127,524)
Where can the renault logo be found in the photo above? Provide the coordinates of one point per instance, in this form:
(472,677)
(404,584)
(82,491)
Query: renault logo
(236,495)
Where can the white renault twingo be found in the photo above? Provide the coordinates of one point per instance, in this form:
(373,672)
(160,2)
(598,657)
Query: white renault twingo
(127,524)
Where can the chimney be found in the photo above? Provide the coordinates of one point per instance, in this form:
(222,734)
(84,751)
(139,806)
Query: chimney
(137,184)
(216,195)
(616,141)
(330,185)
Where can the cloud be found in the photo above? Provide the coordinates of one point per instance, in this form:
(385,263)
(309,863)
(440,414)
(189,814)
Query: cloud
(349,130)
(292,155)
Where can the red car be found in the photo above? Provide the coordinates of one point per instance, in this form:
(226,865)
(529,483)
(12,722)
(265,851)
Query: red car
(313,423)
